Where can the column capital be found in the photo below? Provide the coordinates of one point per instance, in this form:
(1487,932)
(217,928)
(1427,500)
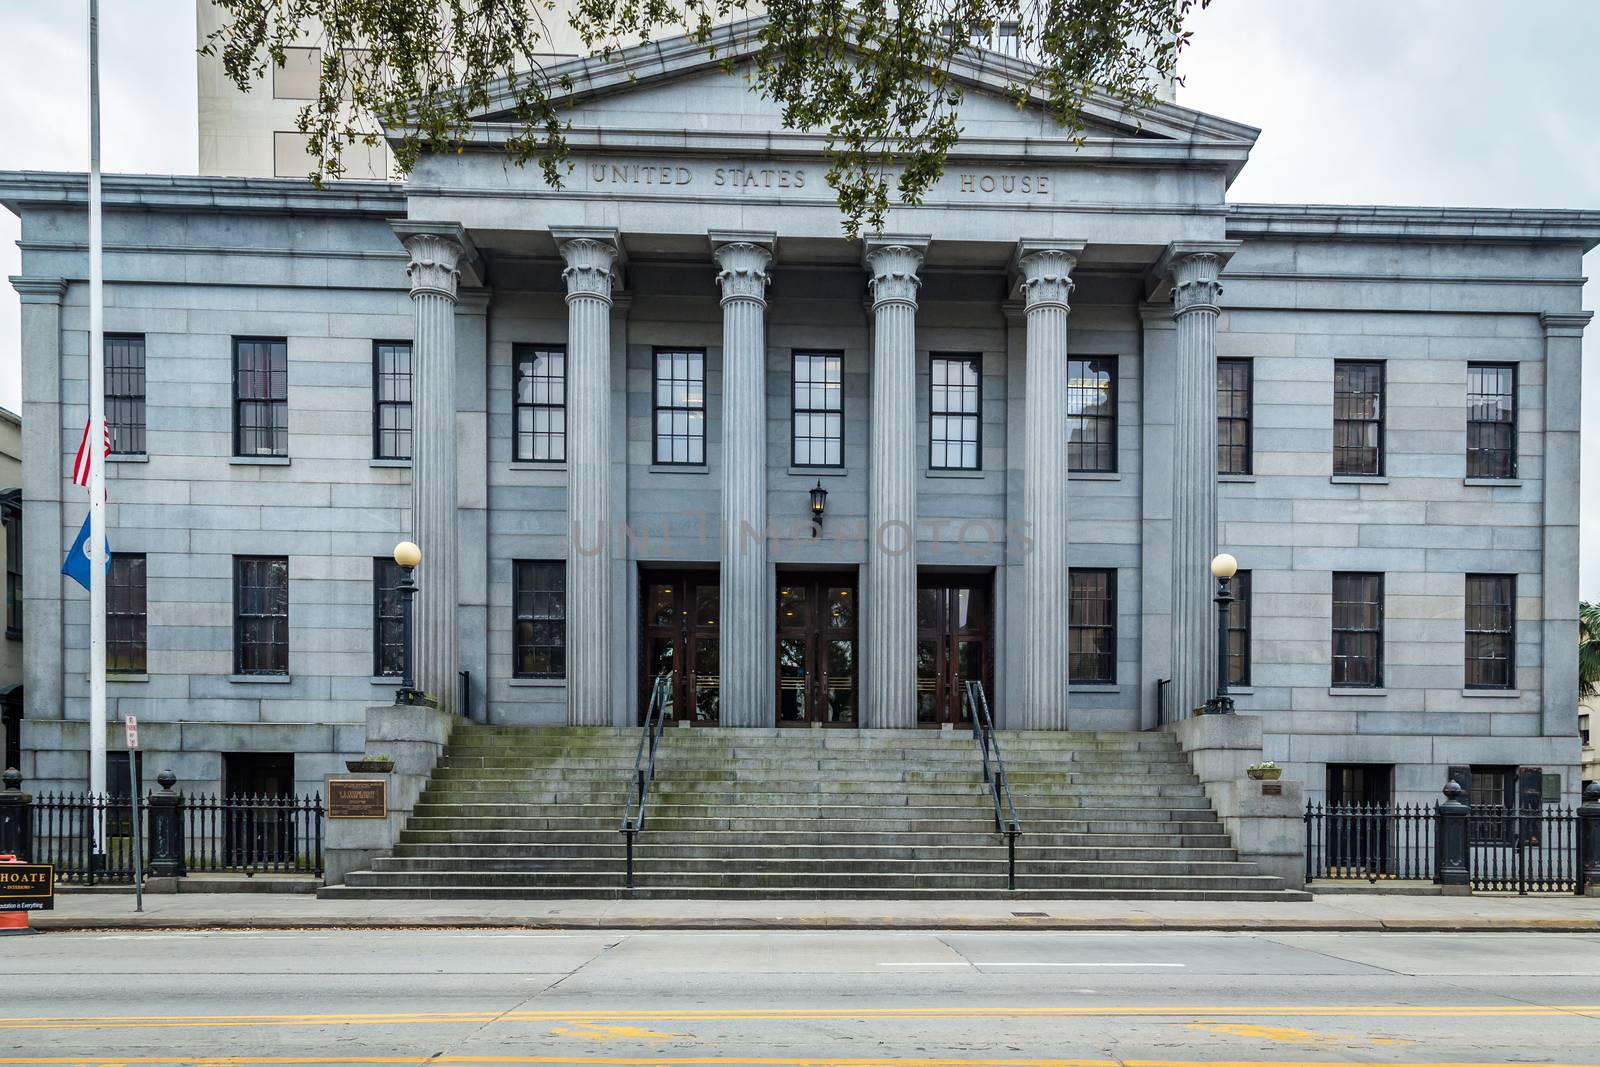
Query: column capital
(893,263)
(1044,272)
(591,258)
(1188,271)
(37,290)
(743,274)
(442,256)
(1554,323)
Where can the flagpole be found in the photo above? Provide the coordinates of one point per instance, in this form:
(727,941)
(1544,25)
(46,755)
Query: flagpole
(97,466)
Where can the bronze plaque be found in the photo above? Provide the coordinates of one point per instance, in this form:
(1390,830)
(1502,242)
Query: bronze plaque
(1272,789)
(27,886)
(358,798)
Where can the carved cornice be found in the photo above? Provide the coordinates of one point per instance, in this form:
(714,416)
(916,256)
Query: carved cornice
(1564,323)
(36,290)
(1047,278)
(435,264)
(893,270)
(744,271)
(589,270)
(1194,283)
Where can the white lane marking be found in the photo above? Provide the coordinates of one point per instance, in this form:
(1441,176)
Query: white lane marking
(1027,963)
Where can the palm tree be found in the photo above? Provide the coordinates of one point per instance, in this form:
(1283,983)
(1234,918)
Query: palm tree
(1588,650)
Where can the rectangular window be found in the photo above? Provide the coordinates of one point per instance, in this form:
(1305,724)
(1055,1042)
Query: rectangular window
(680,407)
(1491,420)
(11,522)
(1492,797)
(1491,631)
(125,393)
(261,615)
(300,76)
(388,619)
(539,403)
(1360,783)
(1092,626)
(1092,415)
(817,399)
(955,413)
(127,618)
(391,400)
(1239,631)
(1358,630)
(539,607)
(260,396)
(1233,416)
(1357,418)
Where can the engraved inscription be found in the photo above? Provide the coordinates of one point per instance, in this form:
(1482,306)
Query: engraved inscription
(358,798)
(1004,182)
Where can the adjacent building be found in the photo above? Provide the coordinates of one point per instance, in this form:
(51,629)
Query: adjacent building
(11,546)
(665,420)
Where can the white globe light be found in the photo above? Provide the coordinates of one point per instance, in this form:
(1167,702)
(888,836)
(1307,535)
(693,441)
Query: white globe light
(407,554)
(1224,566)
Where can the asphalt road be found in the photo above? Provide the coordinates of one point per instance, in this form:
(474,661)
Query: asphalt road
(831,999)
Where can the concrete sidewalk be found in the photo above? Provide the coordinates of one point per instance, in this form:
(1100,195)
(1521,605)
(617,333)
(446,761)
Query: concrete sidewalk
(1343,912)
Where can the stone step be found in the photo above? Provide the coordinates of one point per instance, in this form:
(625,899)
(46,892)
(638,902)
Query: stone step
(466,816)
(779,894)
(718,842)
(451,856)
(648,861)
(798,881)
(535,830)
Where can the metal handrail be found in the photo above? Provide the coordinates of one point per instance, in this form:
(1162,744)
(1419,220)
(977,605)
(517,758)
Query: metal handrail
(994,773)
(644,764)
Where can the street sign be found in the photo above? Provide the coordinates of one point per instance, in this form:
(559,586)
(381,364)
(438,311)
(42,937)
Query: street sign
(27,886)
(132,726)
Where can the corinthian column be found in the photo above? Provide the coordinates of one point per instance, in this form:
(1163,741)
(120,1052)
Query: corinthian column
(1046,288)
(1195,292)
(589,275)
(891,607)
(434,274)
(748,627)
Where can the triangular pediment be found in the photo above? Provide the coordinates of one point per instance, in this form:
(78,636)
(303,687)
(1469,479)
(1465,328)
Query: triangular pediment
(682,83)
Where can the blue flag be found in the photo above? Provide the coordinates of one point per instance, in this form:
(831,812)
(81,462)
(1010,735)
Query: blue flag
(76,565)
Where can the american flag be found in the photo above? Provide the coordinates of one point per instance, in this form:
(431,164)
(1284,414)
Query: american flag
(80,466)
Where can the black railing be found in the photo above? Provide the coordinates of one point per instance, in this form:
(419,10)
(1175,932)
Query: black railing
(253,834)
(644,766)
(994,775)
(1520,850)
(244,834)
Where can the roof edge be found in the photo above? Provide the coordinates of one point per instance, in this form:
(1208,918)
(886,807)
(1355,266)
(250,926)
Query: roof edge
(177,192)
(1397,222)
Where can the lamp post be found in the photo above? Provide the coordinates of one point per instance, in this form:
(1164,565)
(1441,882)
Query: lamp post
(1223,568)
(819,504)
(407,555)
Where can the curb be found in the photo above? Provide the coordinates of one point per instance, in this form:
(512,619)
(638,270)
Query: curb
(638,923)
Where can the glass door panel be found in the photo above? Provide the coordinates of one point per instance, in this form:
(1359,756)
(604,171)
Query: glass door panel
(680,619)
(792,661)
(839,698)
(816,667)
(707,680)
(953,646)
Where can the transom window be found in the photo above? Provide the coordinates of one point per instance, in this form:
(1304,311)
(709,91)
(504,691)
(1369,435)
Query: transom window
(1491,420)
(539,403)
(539,608)
(261,614)
(1358,630)
(818,410)
(391,394)
(260,397)
(388,619)
(1239,631)
(1092,626)
(680,406)
(1233,416)
(1092,415)
(1491,622)
(125,393)
(1357,418)
(126,614)
(955,413)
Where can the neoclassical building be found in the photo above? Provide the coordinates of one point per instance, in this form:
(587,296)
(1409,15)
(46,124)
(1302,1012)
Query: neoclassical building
(666,420)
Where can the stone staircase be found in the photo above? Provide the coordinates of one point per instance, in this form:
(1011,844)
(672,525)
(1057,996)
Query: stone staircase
(525,812)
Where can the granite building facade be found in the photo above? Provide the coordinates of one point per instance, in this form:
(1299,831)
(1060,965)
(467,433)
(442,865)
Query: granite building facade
(1038,403)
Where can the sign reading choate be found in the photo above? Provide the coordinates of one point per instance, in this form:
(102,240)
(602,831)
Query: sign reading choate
(27,887)
(358,798)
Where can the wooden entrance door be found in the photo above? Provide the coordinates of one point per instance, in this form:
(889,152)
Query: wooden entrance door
(953,635)
(817,649)
(681,631)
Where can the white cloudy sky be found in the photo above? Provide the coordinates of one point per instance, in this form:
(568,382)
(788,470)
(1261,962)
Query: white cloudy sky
(1454,102)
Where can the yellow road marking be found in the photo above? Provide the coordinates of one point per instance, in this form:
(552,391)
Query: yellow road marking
(1383,1011)
(595,1032)
(1289,1035)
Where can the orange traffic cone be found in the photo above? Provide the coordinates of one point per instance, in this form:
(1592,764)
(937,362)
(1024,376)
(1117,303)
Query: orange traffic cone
(13,922)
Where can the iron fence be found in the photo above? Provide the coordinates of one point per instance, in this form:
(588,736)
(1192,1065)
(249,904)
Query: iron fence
(1519,850)
(246,834)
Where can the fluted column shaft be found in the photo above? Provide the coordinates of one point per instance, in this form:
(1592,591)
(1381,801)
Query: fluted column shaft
(1047,288)
(1195,293)
(891,607)
(434,280)
(748,627)
(588,275)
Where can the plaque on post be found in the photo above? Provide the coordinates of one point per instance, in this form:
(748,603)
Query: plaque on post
(358,798)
